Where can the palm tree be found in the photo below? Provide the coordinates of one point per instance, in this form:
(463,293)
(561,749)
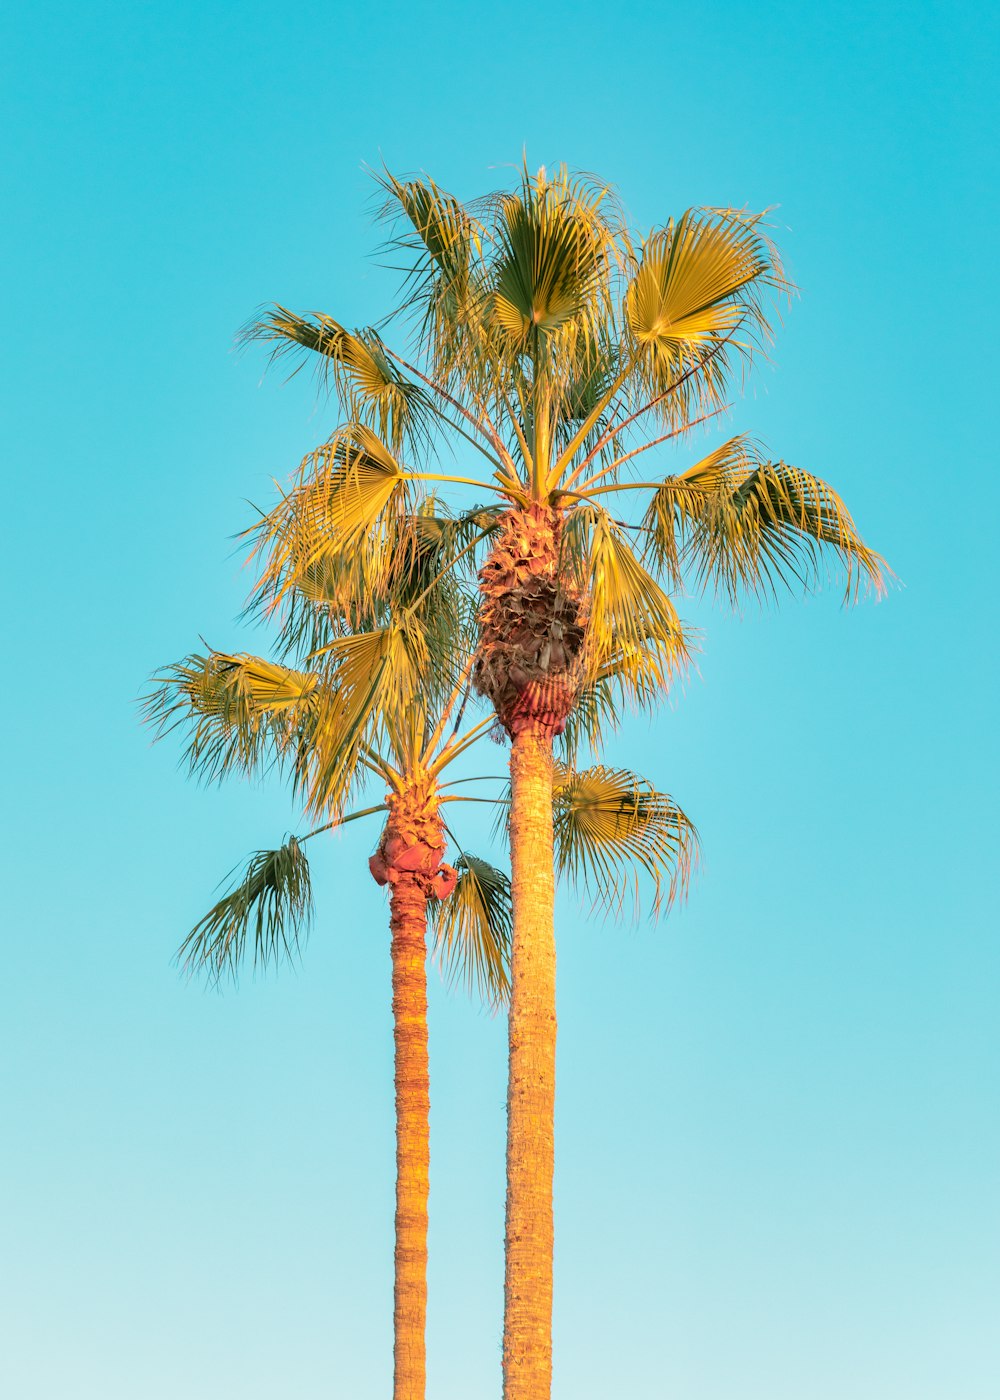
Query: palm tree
(241,711)
(559,347)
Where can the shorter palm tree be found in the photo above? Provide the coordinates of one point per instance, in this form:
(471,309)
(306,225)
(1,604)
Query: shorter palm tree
(243,710)
(242,713)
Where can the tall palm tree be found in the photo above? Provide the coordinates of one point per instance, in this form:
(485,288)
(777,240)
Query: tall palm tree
(558,346)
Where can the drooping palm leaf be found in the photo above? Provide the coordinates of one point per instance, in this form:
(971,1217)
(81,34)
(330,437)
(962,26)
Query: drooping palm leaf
(611,827)
(621,676)
(628,611)
(737,523)
(472,929)
(679,500)
(270,908)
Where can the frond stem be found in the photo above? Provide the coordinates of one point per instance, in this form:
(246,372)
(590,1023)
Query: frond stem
(603,442)
(438,476)
(666,437)
(342,821)
(580,436)
(485,426)
(449,754)
(457,689)
(481,778)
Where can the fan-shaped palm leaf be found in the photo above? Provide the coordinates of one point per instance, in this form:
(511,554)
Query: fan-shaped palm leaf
(620,677)
(699,288)
(610,826)
(344,491)
(553,244)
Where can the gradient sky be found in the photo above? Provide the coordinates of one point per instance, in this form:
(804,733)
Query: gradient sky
(778,1143)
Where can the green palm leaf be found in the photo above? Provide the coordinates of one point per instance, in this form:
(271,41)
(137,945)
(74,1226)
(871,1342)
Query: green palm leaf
(551,256)
(441,242)
(242,713)
(472,929)
(270,907)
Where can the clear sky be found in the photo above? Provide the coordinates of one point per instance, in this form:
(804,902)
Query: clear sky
(778,1135)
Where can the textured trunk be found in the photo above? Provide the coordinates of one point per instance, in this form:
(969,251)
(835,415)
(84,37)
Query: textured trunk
(409,1009)
(527,1340)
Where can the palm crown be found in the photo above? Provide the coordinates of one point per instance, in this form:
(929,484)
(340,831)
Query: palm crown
(555,347)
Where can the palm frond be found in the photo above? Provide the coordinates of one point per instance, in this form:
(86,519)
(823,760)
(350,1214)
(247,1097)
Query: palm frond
(426,559)
(611,827)
(740,523)
(371,680)
(621,676)
(700,291)
(555,249)
(472,929)
(340,508)
(679,500)
(628,611)
(261,919)
(370,385)
(241,712)
(441,243)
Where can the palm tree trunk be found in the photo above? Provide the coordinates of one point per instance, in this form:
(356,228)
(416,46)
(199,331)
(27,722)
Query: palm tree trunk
(408,921)
(527,1340)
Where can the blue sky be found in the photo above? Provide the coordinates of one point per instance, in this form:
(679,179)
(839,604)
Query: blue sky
(778,1141)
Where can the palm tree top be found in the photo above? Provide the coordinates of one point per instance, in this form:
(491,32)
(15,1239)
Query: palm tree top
(543,337)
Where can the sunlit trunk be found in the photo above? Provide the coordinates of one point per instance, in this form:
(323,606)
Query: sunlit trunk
(527,1339)
(409,1009)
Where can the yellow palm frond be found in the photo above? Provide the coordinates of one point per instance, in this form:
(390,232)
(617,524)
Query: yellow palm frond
(628,611)
(371,387)
(700,287)
(345,490)
(740,523)
(620,678)
(371,680)
(443,233)
(555,254)
(680,500)
(612,827)
(441,242)
(241,712)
